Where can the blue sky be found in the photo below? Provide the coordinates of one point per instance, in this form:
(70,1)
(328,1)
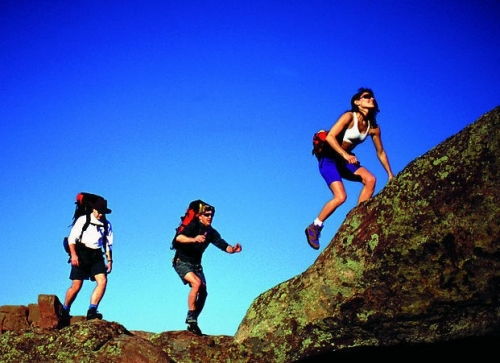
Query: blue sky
(155,103)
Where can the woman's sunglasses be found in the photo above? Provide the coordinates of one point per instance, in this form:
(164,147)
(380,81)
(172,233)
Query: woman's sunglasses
(367,96)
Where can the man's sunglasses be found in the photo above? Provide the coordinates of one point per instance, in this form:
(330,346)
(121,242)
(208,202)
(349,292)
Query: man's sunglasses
(207,215)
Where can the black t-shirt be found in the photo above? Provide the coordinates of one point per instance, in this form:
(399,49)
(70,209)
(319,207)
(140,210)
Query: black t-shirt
(193,251)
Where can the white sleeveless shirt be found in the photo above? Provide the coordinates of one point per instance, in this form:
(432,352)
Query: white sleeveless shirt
(352,135)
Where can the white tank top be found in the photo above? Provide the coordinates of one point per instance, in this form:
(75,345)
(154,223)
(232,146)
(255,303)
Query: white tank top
(352,135)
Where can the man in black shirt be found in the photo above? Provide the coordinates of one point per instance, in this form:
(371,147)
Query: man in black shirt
(190,244)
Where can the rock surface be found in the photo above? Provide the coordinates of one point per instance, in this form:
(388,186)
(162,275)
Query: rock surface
(46,315)
(87,341)
(419,263)
(414,271)
(49,308)
(13,317)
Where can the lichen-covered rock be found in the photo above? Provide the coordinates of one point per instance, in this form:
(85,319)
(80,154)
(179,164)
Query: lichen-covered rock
(79,342)
(127,348)
(183,346)
(418,263)
(102,341)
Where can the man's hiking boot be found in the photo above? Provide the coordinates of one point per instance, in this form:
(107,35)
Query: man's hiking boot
(191,317)
(93,314)
(192,323)
(312,233)
(65,318)
(194,328)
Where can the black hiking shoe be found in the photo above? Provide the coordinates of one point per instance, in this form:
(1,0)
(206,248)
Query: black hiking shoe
(93,314)
(194,328)
(191,317)
(65,318)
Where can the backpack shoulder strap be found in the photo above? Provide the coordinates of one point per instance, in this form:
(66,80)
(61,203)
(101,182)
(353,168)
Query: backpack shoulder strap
(106,231)
(85,226)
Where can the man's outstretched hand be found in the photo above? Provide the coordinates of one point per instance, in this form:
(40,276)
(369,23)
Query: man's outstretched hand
(234,249)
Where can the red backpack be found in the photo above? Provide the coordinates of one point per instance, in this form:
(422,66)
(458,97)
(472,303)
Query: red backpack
(319,142)
(195,207)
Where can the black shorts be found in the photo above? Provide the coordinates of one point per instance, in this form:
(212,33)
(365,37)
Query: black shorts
(91,263)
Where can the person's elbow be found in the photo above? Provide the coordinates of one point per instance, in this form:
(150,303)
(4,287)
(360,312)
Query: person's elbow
(331,138)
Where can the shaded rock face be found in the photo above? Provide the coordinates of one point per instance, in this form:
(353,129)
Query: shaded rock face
(419,263)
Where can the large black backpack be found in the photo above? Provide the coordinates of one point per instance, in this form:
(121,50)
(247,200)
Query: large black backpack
(83,207)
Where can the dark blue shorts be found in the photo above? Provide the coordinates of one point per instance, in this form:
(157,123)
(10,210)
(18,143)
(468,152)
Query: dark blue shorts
(333,170)
(183,268)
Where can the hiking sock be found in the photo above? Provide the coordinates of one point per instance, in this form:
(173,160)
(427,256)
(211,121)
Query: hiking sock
(93,306)
(318,223)
(65,310)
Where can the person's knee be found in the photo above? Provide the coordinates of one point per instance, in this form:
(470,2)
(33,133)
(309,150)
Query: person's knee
(196,284)
(370,180)
(101,281)
(340,198)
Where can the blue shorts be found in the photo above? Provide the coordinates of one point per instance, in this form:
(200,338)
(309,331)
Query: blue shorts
(183,268)
(333,170)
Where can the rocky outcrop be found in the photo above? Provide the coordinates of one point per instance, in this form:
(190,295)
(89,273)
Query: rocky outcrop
(87,341)
(46,314)
(414,271)
(13,317)
(103,341)
(419,263)
(49,308)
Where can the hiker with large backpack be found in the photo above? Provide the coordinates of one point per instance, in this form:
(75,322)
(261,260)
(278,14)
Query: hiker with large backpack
(191,239)
(333,149)
(90,238)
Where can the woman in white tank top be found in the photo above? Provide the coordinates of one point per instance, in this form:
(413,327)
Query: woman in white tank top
(338,162)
